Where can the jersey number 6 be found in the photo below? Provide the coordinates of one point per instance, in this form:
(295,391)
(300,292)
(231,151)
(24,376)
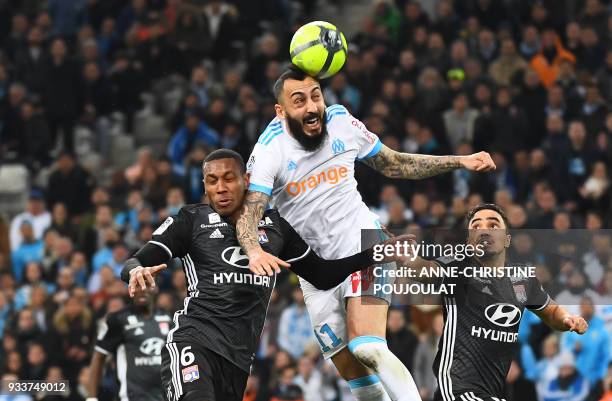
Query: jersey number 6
(187,357)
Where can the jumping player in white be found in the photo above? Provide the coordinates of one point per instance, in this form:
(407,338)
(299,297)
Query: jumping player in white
(303,164)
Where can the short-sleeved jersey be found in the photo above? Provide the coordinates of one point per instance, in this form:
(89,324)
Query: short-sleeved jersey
(226,304)
(316,191)
(137,343)
(480,336)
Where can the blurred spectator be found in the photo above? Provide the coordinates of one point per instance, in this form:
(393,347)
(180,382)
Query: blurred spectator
(60,222)
(286,390)
(35,213)
(30,250)
(268,50)
(220,19)
(592,350)
(190,41)
(340,91)
(34,136)
(60,93)
(33,279)
(67,15)
(505,68)
(459,121)
(546,62)
(127,83)
(30,60)
(576,290)
(568,385)
(545,369)
(400,339)
(309,380)
(26,330)
(424,358)
(595,192)
(134,173)
(294,329)
(71,335)
(193,132)
(93,238)
(36,362)
(129,14)
(70,184)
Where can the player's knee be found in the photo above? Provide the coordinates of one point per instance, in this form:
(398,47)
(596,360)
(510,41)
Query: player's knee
(369,350)
(196,395)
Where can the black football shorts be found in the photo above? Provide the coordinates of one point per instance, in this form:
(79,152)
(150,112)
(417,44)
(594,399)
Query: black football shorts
(191,372)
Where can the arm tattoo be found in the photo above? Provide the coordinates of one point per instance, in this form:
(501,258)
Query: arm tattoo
(246,226)
(394,164)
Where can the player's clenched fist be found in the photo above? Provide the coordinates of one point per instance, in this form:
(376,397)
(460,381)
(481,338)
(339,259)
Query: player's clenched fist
(143,278)
(576,323)
(480,162)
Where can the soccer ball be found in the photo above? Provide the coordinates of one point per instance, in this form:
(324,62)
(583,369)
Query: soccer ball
(319,49)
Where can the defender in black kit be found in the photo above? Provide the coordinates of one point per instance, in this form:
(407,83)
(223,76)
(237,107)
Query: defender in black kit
(212,342)
(482,315)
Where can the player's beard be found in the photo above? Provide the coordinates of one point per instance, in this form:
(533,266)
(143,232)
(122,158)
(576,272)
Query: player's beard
(308,142)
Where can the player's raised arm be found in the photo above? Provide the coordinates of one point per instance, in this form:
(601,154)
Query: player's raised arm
(169,240)
(394,164)
(325,274)
(246,227)
(260,262)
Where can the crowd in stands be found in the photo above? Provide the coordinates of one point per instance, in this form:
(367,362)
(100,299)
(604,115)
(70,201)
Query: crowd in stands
(528,81)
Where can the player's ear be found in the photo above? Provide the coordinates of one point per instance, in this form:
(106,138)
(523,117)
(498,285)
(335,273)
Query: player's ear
(247,179)
(280,110)
(508,238)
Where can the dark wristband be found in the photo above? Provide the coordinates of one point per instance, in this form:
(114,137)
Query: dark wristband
(130,264)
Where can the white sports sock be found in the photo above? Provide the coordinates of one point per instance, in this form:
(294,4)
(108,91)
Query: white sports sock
(368,388)
(397,381)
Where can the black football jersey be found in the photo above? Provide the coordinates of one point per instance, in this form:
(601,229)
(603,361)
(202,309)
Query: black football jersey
(480,336)
(226,304)
(137,343)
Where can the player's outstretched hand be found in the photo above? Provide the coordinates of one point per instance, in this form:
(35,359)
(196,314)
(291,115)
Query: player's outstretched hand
(143,278)
(401,246)
(576,323)
(264,264)
(480,162)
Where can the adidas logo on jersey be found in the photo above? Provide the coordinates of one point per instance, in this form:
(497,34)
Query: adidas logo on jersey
(216,234)
(292,165)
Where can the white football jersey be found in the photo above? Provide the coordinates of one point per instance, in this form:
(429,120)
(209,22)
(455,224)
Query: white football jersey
(317,191)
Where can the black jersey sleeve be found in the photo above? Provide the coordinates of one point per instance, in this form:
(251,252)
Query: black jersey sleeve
(323,274)
(537,297)
(110,335)
(174,234)
(294,247)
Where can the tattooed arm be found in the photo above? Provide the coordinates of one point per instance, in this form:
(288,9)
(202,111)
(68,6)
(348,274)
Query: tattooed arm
(394,164)
(260,262)
(246,227)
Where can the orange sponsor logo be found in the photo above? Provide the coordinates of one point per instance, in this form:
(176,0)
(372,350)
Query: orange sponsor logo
(332,175)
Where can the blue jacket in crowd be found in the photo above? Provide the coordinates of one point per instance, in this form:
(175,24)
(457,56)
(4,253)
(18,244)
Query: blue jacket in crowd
(177,149)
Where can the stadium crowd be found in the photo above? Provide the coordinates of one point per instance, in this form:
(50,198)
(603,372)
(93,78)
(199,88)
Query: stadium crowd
(528,81)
